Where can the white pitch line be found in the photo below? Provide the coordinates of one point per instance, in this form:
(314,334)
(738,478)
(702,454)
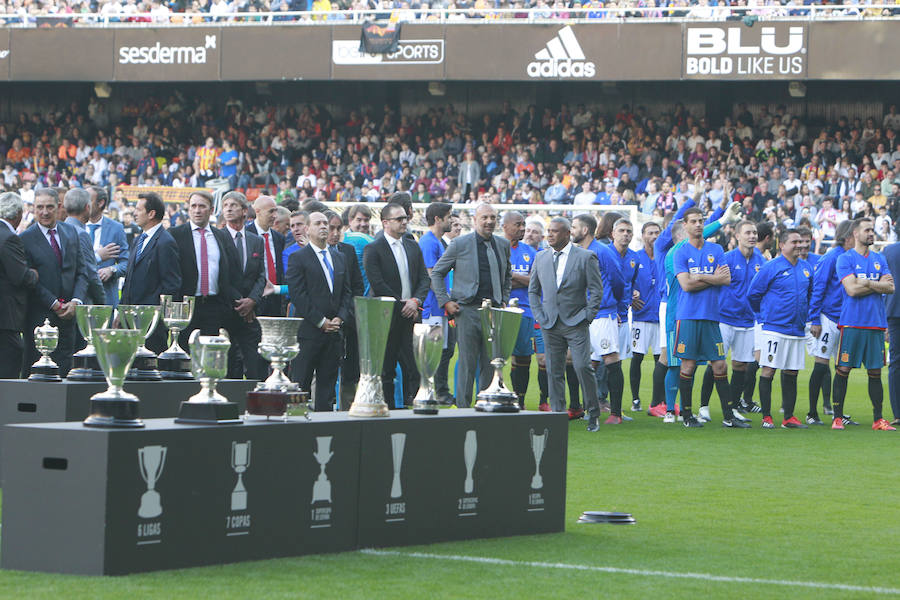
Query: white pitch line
(643,572)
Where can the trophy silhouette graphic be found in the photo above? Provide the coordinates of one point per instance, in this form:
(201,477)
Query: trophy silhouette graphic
(151,460)
(538,442)
(240,462)
(470,451)
(323,454)
(398,443)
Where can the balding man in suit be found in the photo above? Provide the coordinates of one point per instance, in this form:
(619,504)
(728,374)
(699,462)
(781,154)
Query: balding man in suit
(16,280)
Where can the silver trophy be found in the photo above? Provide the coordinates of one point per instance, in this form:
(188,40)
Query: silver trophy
(428,344)
(323,454)
(144,319)
(116,349)
(470,451)
(277,393)
(240,462)
(175,363)
(373,322)
(398,444)
(538,443)
(89,317)
(499,328)
(46,337)
(209,364)
(151,460)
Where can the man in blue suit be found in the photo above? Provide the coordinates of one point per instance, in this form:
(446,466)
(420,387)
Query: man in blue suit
(153,267)
(110,245)
(892,305)
(77,203)
(52,249)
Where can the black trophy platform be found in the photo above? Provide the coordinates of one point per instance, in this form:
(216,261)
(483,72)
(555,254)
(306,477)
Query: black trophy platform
(24,401)
(102,501)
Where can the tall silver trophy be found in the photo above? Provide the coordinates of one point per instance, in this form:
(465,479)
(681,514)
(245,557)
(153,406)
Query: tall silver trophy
(175,363)
(279,345)
(428,344)
(500,328)
(46,337)
(144,319)
(116,349)
(209,364)
(88,317)
(373,322)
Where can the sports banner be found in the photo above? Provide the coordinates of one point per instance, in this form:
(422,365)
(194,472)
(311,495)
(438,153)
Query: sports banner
(379,39)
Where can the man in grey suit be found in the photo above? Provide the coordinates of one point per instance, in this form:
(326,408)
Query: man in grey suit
(481,270)
(77,203)
(565,292)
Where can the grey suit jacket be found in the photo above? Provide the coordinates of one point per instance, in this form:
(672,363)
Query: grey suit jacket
(462,256)
(96,293)
(579,296)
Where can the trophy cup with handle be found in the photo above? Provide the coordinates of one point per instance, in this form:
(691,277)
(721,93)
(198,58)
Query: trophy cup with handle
(373,322)
(277,394)
(88,317)
(428,344)
(116,349)
(500,328)
(144,319)
(151,460)
(175,363)
(240,462)
(46,337)
(209,364)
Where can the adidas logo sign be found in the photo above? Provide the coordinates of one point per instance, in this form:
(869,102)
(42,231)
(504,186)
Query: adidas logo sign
(562,57)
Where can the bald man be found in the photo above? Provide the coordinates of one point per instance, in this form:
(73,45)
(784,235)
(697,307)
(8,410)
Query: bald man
(273,244)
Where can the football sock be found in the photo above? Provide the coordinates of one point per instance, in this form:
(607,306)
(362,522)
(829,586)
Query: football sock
(518,375)
(572,381)
(706,387)
(671,388)
(724,392)
(686,389)
(737,386)
(816,384)
(600,376)
(765,395)
(839,392)
(826,386)
(876,395)
(659,383)
(750,382)
(634,375)
(616,381)
(788,393)
(542,383)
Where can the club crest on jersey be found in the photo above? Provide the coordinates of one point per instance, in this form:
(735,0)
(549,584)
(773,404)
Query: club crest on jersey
(845,357)
(632,265)
(757,268)
(806,272)
(526,258)
(709,258)
(680,348)
(877,266)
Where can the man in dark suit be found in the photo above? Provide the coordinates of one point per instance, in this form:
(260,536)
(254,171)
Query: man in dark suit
(350,362)
(76,203)
(273,244)
(395,267)
(153,266)
(209,268)
(16,280)
(481,271)
(110,245)
(565,292)
(53,250)
(319,288)
(892,306)
(242,326)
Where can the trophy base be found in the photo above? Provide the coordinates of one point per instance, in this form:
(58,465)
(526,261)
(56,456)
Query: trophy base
(498,405)
(144,368)
(45,373)
(114,411)
(425,407)
(208,413)
(85,375)
(274,403)
(175,366)
(369,410)
(85,367)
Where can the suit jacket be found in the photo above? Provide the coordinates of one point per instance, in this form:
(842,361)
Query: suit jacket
(253,277)
(892,255)
(579,295)
(156,271)
(462,256)
(96,294)
(308,288)
(55,282)
(357,283)
(16,280)
(273,305)
(228,268)
(384,276)
(113,232)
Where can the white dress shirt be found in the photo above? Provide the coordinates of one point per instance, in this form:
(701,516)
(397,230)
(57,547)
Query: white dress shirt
(402,265)
(260,232)
(318,252)
(150,233)
(212,255)
(561,265)
(46,232)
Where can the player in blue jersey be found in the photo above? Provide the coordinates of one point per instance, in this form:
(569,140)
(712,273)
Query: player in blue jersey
(824,313)
(645,316)
(701,272)
(805,246)
(866,277)
(781,292)
(521,257)
(623,232)
(765,243)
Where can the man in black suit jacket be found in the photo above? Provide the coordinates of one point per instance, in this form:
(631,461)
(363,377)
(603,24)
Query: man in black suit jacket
(242,326)
(16,280)
(54,251)
(319,287)
(350,363)
(273,244)
(153,264)
(395,267)
(208,268)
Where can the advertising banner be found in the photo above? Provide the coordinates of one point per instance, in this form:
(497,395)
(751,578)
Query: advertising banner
(420,55)
(182,54)
(732,50)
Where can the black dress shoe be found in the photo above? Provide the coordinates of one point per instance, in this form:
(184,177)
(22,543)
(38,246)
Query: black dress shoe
(593,424)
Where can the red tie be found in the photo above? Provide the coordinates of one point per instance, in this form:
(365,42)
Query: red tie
(270,262)
(55,245)
(204,264)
